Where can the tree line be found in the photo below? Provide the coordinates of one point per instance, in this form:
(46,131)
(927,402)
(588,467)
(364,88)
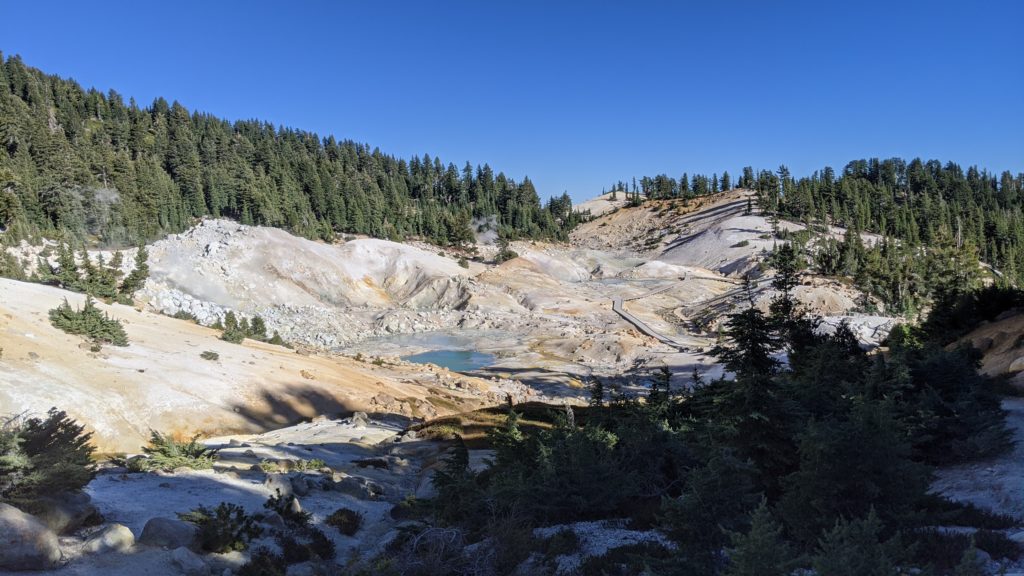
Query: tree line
(90,166)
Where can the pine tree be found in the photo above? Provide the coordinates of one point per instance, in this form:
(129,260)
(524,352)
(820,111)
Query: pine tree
(762,551)
(136,279)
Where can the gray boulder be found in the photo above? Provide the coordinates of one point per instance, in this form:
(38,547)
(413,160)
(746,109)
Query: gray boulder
(25,542)
(68,512)
(279,483)
(360,419)
(190,563)
(170,533)
(113,538)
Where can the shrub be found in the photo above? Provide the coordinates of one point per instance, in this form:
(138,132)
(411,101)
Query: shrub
(90,322)
(263,562)
(306,465)
(166,453)
(345,520)
(321,545)
(43,457)
(210,355)
(293,551)
(561,543)
(224,528)
(182,315)
(463,262)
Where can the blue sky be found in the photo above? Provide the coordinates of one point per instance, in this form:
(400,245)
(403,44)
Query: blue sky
(576,95)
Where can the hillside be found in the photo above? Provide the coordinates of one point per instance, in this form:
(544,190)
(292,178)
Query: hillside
(160,382)
(86,163)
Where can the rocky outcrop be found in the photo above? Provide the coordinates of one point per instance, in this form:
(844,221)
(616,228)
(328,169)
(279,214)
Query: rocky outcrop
(25,542)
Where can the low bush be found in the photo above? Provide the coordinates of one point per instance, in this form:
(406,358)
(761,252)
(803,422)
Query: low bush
(166,453)
(346,521)
(263,562)
(182,315)
(210,355)
(224,528)
(90,322)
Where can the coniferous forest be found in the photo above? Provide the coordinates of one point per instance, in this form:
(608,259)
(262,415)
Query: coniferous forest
(91,167)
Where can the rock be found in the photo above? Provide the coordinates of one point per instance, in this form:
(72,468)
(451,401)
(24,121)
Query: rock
(360,419)
(294,507)
(300,485)
(25,542)
(1018,537)
(1017,365)
(190,563)
(170,533)
(113,538)
(68,512)
(279,483)
(274,520)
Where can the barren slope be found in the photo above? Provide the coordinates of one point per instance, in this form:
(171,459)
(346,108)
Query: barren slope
(160,382)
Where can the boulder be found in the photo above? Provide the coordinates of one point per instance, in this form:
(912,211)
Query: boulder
(170,533)
(1017,365)
(25,542)
(279,483)
(294,507)
(190,563)
(361,419)
(113,538)
(68,512)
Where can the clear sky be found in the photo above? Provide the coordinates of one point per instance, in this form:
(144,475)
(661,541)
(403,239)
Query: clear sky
(576,95)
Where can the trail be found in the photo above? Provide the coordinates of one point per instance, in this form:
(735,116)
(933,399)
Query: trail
(640,324)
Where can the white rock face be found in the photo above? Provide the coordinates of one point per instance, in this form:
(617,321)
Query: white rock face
(869,330)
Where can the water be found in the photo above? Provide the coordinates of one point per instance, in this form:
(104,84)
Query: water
(454,360)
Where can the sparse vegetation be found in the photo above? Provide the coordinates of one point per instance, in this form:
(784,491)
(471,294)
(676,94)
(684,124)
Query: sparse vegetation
(224,528)
(210,355)
(166,453)
(90,322)
(347,521)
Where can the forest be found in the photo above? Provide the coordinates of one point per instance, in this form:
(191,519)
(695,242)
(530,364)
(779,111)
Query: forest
(91,168)
(821,463)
